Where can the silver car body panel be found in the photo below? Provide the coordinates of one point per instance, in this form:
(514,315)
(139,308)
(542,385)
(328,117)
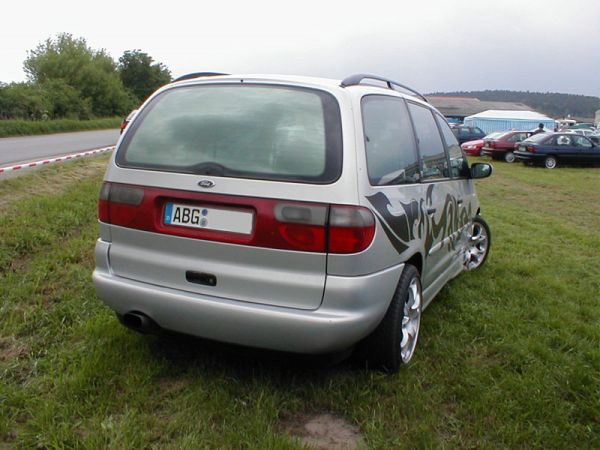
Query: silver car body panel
(251,274)
(352,307)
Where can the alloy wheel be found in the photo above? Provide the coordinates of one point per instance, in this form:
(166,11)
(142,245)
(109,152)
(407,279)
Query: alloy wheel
(411,320)
(477,246)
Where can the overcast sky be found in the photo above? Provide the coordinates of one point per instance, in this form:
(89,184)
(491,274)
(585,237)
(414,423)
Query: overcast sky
(427,44)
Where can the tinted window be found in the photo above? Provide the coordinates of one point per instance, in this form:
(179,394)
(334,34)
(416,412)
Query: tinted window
(538,138)
(477,130)
(580,141)
(389,141)
(563,140)
(429,141)
(246,131)
(459,167)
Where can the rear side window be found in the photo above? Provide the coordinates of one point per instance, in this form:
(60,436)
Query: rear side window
(246,131)
(580,141)
(431,148)
(389,141)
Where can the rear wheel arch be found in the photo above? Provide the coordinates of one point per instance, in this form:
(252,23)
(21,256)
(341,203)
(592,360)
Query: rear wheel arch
(417,261)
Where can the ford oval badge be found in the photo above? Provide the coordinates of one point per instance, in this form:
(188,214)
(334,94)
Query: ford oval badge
(206,184)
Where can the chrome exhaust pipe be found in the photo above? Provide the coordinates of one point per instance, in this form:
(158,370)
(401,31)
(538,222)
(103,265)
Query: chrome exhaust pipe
(139,322)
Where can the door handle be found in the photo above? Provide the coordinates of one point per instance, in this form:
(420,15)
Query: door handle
(431,210)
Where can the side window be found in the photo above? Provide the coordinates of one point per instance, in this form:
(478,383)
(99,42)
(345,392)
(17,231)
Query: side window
(429,141)
(459,167)
(563,140)
(582,142)
(389,141)
(478,130)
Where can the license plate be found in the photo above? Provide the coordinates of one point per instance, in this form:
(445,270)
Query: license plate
(218,219)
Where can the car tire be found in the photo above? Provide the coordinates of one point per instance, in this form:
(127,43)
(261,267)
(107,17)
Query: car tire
(392,344)
(509,157)
(479,241)
(550,162)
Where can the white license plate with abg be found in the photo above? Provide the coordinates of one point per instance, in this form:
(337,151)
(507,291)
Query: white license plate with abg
(220,219)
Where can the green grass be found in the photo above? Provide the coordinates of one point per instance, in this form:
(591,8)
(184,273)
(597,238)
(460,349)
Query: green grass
(29,127)
(509,356)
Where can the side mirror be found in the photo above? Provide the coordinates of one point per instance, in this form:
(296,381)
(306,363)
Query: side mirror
(481,170)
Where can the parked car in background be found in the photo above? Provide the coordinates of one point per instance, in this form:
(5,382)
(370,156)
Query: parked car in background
(558,148)
(473,148)
(587,132)
(581,125)
(502,146)
(127,119)
(465,133)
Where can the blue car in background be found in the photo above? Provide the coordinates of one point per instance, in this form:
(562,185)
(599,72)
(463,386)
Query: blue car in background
(465,133)
(552,149)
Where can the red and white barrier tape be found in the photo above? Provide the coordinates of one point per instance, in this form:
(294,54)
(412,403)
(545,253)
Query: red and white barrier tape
(27,165)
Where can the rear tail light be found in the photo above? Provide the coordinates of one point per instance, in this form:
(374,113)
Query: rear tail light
(491,144)
(530,148)
(351,229)
(119,205)
(309,227)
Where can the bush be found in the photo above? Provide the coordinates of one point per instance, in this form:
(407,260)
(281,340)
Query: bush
(29,127)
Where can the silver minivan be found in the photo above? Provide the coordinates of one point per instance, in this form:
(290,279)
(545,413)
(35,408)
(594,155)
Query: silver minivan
(289,213)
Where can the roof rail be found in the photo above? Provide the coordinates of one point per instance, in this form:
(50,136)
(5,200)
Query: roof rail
(354,80)
(190,76)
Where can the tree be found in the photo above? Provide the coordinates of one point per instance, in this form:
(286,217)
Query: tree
(23,101)
(91,73)
(66,101)
(141,75)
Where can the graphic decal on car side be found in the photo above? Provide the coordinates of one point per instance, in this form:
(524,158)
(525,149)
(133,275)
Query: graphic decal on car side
(402,226)
(400,229)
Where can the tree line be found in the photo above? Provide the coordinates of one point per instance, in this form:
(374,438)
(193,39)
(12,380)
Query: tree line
(68,79)
(550,103)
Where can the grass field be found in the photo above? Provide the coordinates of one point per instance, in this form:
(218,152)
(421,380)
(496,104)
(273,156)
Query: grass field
(509,356)
(29,127)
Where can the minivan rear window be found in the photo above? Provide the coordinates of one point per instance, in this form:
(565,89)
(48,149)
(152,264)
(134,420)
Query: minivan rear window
(243,130)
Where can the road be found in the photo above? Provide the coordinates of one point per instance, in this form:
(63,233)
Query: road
(15,150)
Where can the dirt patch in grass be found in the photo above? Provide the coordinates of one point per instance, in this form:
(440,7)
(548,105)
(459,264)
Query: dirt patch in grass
(324,431)
(50,180)
(11,349)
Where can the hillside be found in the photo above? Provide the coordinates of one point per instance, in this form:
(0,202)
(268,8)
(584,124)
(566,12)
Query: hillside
(550,103)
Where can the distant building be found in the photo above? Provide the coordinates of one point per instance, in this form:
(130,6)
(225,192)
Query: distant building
(494,120)
(457,108)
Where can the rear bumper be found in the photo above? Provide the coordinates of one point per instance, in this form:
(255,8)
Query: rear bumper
(352,307)
(531,157)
